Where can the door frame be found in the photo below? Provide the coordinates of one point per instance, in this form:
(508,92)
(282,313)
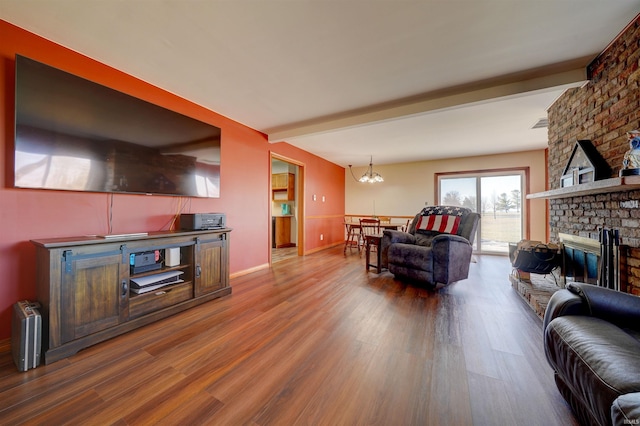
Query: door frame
(300,191)
(525,185)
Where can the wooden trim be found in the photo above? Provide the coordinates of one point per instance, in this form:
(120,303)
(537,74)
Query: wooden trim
(477,171)
(300,193)
(526,205)
(300,200)
(248,271)
(317,249)
(286,159)
(436,175)
(329,216)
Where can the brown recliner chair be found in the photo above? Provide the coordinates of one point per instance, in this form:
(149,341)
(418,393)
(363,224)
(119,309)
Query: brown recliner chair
(437,247)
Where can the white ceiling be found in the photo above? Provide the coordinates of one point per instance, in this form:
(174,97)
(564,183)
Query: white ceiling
(399,80)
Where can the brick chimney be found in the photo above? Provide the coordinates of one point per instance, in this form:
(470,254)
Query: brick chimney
(602,111)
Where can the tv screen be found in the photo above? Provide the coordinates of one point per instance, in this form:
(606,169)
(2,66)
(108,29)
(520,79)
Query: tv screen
(74,134)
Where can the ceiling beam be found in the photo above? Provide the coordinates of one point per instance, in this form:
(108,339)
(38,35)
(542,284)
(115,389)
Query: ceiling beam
(565,75)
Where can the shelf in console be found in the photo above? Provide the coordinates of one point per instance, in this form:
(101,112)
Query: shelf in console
(164,287)
(151,282)
(159,271)
(616,184)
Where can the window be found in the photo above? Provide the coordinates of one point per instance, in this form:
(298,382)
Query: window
(499,198)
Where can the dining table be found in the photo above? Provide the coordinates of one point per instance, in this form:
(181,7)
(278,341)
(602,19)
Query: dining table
(394,226)
(353,232)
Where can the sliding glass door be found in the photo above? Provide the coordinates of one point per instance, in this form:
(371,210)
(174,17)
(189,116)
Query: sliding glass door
(460,191)
(497,196)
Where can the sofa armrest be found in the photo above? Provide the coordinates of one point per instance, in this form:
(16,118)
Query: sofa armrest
(451,258)
(625,410)
(444,245)
(447,238)
(390,236)
(621,309)
(561,303)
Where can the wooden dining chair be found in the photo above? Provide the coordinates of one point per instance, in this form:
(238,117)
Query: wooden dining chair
(368,226)
(352,230)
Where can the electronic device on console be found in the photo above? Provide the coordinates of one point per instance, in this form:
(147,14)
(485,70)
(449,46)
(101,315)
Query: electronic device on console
(202,221)
(145,261)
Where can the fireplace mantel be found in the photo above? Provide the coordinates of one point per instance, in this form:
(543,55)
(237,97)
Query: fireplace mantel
(617,184)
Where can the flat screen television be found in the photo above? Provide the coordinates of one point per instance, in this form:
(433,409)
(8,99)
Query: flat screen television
(74,134)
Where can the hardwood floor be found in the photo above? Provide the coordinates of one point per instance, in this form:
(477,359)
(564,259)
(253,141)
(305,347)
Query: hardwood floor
(280,254)
(315,340)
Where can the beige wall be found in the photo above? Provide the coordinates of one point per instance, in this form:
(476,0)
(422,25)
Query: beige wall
(408,186)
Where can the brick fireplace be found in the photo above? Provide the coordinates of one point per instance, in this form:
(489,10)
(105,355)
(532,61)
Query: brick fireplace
(601,111)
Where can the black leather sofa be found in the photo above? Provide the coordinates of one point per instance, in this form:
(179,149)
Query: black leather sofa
(592,342)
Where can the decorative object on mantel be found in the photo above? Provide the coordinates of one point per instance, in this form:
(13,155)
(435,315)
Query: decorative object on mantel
(631,161)
(585,165)
(369,176)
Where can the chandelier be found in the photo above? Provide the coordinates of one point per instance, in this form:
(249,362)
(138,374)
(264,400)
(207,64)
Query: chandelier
(369,176)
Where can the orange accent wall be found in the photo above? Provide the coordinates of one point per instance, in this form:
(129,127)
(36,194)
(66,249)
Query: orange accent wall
(245,176)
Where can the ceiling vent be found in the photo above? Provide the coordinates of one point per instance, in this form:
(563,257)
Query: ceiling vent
(541,124)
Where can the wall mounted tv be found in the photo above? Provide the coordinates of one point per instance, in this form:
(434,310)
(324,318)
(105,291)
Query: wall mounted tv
(74,134)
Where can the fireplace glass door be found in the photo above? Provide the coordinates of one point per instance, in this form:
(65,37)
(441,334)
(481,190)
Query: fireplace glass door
(498,197)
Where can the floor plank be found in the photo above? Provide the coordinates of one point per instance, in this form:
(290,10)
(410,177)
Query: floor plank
(313,340)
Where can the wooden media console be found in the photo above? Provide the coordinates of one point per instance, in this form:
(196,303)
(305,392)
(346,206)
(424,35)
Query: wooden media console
(84,284)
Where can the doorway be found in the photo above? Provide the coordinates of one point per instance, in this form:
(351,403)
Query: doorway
(286,207)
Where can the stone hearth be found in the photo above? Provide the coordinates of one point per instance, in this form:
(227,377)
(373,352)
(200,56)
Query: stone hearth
(536,291)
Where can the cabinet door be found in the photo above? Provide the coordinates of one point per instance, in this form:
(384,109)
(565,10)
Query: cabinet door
(279,181)
(94,293)
(211,264)
(283,231)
